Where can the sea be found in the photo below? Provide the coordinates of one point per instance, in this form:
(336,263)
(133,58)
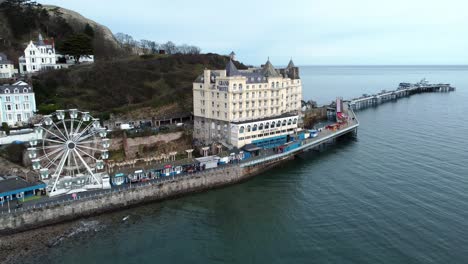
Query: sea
(397,193)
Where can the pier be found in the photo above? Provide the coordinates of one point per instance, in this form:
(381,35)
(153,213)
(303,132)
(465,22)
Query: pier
(404,90)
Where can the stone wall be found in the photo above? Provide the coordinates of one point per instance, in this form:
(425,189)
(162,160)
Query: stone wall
(20,221)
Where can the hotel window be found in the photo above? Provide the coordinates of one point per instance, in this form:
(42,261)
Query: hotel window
(217,113)
(284,122)
(289,122)
(240,114)
(10,117)
(240,86)
(272,84)
(42,60)
(267,125)
(217,95)
(16,91)
(225,115)
(7,99)
(260,127)
(278,124)
(212,94)
(253,86)
(225,96)
(295,121)
(247,96)
(225,105)
(234,86)
(212,104)
(248,128)
(254,128)
(247,87)
(241,130)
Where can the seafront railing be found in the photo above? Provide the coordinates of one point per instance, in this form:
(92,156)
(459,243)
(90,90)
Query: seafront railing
(90,195)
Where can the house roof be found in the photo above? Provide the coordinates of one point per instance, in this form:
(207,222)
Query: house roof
(14,184)
(290,64)
(21,86)
(269,70)
(4,59)
(231,69)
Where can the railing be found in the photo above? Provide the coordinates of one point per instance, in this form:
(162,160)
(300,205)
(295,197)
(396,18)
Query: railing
(4,210)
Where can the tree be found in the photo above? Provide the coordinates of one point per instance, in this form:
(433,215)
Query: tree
(6,128)
(169,47)
(77,45)
(88,30)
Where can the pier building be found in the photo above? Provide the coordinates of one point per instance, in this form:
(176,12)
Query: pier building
(237,107)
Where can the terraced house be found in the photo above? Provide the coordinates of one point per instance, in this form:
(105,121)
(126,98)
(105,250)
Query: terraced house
(257,106)
(17,103)
(7,69)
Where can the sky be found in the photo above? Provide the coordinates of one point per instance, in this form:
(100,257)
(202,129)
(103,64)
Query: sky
(312,32)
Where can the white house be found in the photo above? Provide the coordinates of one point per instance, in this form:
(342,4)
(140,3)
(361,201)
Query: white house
(17,103)
(7,69)
(239,107)
(41,55)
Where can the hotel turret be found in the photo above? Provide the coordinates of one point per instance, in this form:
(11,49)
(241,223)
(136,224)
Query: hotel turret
(258,107)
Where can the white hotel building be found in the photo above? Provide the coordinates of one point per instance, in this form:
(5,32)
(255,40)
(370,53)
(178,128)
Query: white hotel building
(17,103)
(258,106)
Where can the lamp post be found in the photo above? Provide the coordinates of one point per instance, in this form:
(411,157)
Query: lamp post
(8,201)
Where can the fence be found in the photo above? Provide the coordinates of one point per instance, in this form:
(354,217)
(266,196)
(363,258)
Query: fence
(100,193)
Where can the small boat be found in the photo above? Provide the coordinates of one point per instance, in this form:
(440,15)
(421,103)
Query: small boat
(125,218)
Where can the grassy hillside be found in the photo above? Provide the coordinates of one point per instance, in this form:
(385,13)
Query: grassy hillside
(125,85)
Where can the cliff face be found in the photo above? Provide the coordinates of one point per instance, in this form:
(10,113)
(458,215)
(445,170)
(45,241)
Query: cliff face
(20,23)
(78,22)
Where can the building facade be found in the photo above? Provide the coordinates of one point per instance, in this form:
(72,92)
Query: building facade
(7,69)
(17,103)
(239,107)
(41,56)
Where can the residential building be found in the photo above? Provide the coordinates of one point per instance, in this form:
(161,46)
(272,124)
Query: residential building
(17,103)
(259,106)
(41,55)
(7,69)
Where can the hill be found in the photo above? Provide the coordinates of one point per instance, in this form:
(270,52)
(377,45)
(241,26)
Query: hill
(23,20)
(126,85)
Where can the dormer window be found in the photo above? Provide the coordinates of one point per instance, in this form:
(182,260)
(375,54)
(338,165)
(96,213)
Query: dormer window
(16,90)
(7,90)
(25,90)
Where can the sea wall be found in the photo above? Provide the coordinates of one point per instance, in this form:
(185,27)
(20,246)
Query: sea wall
(116,200)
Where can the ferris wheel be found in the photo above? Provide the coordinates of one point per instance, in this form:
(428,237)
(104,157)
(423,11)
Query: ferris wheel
(69,152)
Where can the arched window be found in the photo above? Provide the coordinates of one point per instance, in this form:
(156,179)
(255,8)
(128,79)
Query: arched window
(254,128)
(272,84)
(248,128)
(25,90)
(284,122)
(7,90)
(289,122)
(241,130)
(267,125)
(16,90)
(295,121)
(234,86)
(240,86)
(260,127)
(277,84)
(278,124)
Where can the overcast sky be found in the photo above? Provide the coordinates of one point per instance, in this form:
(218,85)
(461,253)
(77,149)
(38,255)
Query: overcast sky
(326,32)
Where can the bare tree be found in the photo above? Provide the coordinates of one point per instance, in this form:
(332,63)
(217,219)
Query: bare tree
(169,47)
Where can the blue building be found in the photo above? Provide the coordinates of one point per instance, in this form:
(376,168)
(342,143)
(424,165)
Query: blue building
(16,188)
(17,103)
